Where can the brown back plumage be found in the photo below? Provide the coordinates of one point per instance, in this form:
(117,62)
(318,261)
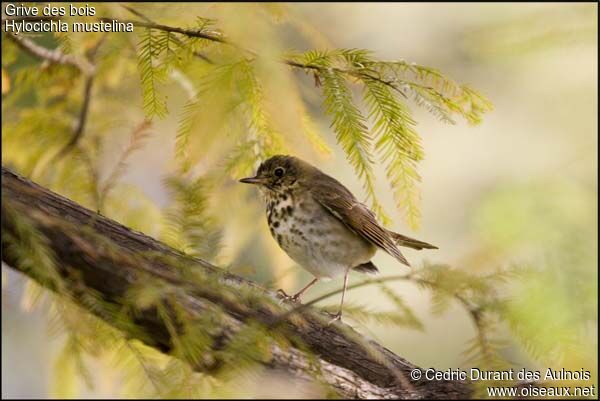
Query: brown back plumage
(336,198)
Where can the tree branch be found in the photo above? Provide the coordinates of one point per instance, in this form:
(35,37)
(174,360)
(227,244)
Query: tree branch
(81,119)
(53,56)
(148,20)
(216,36)
(95,253)
(211,35)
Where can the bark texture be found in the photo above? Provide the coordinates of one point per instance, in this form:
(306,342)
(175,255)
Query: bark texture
(94,252)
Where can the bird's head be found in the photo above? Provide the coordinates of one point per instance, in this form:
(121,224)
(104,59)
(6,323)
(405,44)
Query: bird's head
(280,173)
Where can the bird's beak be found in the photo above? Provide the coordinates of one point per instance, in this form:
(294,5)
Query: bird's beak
(253,180)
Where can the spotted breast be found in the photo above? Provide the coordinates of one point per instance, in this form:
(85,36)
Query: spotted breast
(313,237)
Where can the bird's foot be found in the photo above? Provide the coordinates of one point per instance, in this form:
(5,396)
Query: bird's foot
(285,297)
(336,318)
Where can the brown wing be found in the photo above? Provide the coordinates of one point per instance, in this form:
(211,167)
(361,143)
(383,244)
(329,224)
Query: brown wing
(403,240)
(340,202)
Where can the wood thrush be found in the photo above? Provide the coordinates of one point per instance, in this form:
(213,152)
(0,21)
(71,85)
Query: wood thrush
(320,224)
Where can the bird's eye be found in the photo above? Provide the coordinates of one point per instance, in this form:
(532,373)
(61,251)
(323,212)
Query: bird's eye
(278,172)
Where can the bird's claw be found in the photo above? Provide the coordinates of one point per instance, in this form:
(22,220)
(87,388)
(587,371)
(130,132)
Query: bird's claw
(285,297)
(336,318)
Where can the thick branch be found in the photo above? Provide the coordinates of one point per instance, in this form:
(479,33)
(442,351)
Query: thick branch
(95,253)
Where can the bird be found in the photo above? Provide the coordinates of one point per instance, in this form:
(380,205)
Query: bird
(321,225)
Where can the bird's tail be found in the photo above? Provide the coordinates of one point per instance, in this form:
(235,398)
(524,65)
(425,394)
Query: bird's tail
(368,268)
(402,240)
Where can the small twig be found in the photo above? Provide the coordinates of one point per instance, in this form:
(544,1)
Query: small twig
(148,20)
(138,135)
(214,36)
(301,307)
(211,35)
(93,173)
(87,96)
(91,53)
(81,120)
(356,74)
(53,56)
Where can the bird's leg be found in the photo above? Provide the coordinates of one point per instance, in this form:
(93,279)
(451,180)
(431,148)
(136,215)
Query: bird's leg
(296,296)
(338,316)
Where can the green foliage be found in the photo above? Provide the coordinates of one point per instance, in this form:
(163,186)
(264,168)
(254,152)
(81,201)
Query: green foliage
(385,85)
(398,144)
(351,130)
(267,139)
(365,315)
(228,93)
(30,248)
(431,89)
(187,224)
(191,337)
(136,142)
(206,103)
(251,344)
(83,333)
(408,316)
(87,336)
(68,364)
(482,298)
(39,104)
(151,74)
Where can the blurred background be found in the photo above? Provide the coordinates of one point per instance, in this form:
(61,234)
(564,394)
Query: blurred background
(518,190)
